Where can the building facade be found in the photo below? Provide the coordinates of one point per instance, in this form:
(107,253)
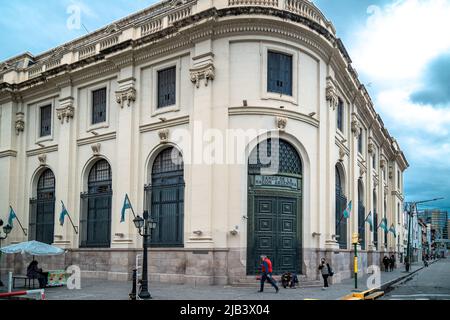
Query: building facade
(175,107)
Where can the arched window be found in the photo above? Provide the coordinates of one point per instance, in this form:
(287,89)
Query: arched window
(42,217)
(341,204)
(96,207)
(361,215)
(375,220)
(166,195)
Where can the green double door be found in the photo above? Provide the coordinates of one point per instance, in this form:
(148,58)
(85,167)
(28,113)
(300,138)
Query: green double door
(274,230)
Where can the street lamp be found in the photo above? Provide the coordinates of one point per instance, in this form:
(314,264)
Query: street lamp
(7,230)
(413,209)
(148,225)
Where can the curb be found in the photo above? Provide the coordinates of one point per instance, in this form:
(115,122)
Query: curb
(389,283)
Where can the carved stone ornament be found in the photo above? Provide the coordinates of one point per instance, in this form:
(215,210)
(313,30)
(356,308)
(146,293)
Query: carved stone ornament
(386,190)
(375,183)
(362,171)
(127,95)
(281,123)
(341,154)
(65,113)
(355,126)
(371,147)
(42,159)
(164,135)
(382,163)
(331,94)
(391,172)
(206,72)
(96,149)
(20,122)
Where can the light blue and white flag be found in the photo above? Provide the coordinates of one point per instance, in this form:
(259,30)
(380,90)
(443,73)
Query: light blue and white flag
(369,220)
(383,225)
(12,216)
(63,214)
(392,229)
(348,210)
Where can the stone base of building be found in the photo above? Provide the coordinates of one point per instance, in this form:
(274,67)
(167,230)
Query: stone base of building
(200,267)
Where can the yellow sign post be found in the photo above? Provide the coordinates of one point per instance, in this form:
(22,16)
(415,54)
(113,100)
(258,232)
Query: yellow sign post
(355,241)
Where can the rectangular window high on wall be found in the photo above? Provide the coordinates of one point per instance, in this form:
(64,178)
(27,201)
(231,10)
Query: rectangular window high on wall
(99,106)
(46,121)
(167,87)
(340,115)
(360,141)
(279,77)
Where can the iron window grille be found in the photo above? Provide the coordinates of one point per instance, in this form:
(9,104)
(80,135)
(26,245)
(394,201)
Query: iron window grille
(279,78)
(46,121)
(340,115)
(166,87)
(99,106)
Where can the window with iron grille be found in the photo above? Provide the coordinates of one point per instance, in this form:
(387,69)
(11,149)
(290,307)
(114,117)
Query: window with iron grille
(279,77)
(340,115)
(99,106)
(341,204)
(375,220)
(166,87)
(361,216)
(46,121)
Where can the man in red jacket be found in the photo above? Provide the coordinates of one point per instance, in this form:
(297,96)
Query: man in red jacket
(266,269)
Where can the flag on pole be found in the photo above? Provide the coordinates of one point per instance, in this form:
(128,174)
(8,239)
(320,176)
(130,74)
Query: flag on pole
(63,214)
(383,224)
(370,221)
(392,229)
(12,216)
(348,210)
(126,205)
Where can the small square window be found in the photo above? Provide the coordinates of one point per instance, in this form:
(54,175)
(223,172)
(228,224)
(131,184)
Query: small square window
(99,106)
(167,87)
(279,77)
(46,121)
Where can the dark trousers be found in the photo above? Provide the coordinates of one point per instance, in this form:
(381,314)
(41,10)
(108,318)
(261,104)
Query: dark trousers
(268,276)
(325,280)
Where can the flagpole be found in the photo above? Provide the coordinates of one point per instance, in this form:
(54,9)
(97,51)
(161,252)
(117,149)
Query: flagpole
(17,218)
(71,222)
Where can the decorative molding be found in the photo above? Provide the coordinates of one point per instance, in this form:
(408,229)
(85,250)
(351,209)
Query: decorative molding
(270,111)
(371,147)
(331,93)
(386,190)
(355,125)
(165,124)
(164,135)
(42,159)
(391,172)
(96,139)
(20,122)
(8,153)
(126,95)
(96,149)
(206,72)
(342,154)
(281,123)
(40,151)
(66,111)
(382,163)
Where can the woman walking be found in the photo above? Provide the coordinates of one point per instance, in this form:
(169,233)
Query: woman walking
(326,271)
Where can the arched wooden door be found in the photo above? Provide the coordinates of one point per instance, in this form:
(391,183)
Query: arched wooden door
(166,192)
(42,218)
(274,208)
(96,208)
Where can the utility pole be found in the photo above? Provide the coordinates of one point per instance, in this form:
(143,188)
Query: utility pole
(411,211)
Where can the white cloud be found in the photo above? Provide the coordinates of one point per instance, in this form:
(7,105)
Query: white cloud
(399,39)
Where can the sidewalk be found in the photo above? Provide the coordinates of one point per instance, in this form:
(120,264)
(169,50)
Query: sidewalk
(114,290)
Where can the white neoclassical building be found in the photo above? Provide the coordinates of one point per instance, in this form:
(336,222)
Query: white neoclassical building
(214,85)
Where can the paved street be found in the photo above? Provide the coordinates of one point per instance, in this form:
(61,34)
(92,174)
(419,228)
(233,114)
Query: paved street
(113,290)
(432,283)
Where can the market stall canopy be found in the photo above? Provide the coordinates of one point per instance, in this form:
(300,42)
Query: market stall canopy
(34,248)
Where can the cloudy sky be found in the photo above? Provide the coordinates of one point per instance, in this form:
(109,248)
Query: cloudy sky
(400,48)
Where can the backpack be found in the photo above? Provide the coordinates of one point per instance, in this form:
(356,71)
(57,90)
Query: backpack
(330,270)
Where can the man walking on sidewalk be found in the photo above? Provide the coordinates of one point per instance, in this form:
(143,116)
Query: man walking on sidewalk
(266,269)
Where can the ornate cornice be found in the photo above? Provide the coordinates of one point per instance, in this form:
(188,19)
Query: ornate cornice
(47,150)
(8,153)
(164,124)
(95,139)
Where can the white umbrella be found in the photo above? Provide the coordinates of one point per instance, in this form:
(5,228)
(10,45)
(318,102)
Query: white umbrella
(33,248)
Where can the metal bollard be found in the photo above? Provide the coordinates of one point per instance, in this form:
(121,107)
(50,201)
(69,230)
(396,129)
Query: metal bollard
(133,290)
(10,280)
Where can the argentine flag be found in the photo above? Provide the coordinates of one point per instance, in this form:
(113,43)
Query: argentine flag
(383,224)
(392,229)
(126,205)
(12,216)
(63,214)
(348,210)
(369,221)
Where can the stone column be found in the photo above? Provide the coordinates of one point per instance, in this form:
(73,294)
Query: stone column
(65,236)
(123,234)
(354,175)
(199,227)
